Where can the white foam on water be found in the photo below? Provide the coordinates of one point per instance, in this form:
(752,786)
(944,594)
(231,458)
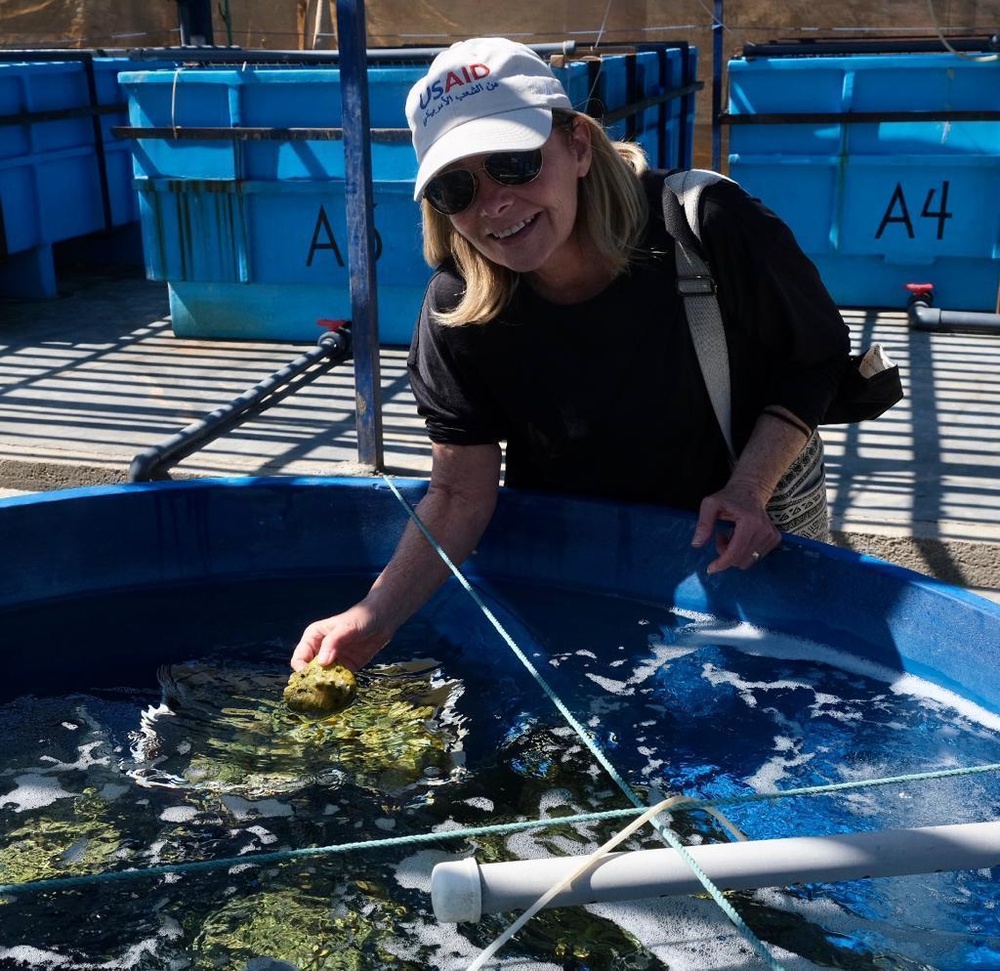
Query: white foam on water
(254,809)
(83,762)
(691,934)
(132,957)
(767,777)
(265,836)
(414,872)
(480,802)
(661,653)
(178,814)
(451,950)
(33,957)
(34,791)
(610,685)
(759,642)
(446,826)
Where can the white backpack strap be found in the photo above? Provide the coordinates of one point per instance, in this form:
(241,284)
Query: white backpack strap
(687,186)
(696,285)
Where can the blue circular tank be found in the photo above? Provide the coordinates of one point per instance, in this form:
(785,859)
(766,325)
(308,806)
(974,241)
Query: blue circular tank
(62,549)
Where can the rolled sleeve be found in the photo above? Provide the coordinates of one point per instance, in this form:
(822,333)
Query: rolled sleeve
(450,396)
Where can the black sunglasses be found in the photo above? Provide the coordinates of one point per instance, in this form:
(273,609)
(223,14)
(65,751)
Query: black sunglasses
(454,191)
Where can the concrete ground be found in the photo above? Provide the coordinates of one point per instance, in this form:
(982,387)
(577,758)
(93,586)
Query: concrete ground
(91,378)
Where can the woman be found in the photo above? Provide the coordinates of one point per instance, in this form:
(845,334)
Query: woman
(553,323)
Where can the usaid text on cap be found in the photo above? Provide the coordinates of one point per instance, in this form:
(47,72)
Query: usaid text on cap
(459,77)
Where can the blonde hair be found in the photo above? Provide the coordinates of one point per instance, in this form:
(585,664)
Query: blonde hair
(612,213)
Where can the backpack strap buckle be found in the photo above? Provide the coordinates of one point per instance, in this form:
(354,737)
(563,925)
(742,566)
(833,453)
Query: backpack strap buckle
(698,284)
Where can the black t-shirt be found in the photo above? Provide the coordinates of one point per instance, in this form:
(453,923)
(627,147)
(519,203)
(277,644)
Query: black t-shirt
(605,397)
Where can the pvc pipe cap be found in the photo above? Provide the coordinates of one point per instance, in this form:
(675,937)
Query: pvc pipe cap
(457,891)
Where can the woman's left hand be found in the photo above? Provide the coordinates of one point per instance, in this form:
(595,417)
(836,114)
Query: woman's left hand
(752,536)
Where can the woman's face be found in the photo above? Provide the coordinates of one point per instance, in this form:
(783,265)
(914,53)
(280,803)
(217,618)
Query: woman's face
(530,228)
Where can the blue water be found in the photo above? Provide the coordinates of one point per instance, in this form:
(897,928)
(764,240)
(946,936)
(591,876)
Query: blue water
(114,729)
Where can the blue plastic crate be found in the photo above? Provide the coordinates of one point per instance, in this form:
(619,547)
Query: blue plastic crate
(35,87)
(878,204)
(250,233)
(650,121)
(61,175)
(614,93)
(579,79)
(615,83)
(267,259)
(222,98)
(668,128)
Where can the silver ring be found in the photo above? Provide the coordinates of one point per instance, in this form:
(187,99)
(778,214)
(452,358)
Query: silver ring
(755,556)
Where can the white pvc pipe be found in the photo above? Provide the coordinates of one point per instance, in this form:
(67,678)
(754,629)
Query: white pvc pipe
(462,890)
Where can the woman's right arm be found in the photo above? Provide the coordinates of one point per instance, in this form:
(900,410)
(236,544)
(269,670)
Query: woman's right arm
(456,510)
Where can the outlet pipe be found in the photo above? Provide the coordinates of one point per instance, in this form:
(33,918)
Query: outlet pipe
(924,316)
(463,890)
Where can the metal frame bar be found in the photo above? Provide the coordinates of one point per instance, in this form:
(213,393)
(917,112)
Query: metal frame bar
(359,198)
(854,117)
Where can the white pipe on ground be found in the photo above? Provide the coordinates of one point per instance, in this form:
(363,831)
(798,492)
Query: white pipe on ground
(462,890)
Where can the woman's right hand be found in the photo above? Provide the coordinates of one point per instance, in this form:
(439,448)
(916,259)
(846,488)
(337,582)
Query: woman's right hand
(455,509)
(351,638)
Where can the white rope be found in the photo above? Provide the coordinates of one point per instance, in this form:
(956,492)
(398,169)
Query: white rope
(944,40)
(173,102)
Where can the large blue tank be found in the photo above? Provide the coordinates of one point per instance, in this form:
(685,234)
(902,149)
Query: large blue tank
(144,539)
(886,167)
(132,625)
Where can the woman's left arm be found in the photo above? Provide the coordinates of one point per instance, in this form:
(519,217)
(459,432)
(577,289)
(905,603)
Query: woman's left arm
(773,446)
(788,347)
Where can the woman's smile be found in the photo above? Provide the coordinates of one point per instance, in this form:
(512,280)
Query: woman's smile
(515,230)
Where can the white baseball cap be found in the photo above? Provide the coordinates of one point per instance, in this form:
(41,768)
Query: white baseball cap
(488,94)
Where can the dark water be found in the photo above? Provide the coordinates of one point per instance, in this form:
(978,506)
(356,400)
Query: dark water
(151,732)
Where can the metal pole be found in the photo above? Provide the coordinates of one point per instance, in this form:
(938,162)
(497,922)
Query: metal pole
(717,28)
(352,42)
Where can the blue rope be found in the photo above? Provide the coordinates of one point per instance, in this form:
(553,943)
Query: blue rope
(284,856)
(827,788)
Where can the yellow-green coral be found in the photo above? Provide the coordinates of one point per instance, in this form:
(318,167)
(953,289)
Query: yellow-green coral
(296,926)
(230,732)
(317,691)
